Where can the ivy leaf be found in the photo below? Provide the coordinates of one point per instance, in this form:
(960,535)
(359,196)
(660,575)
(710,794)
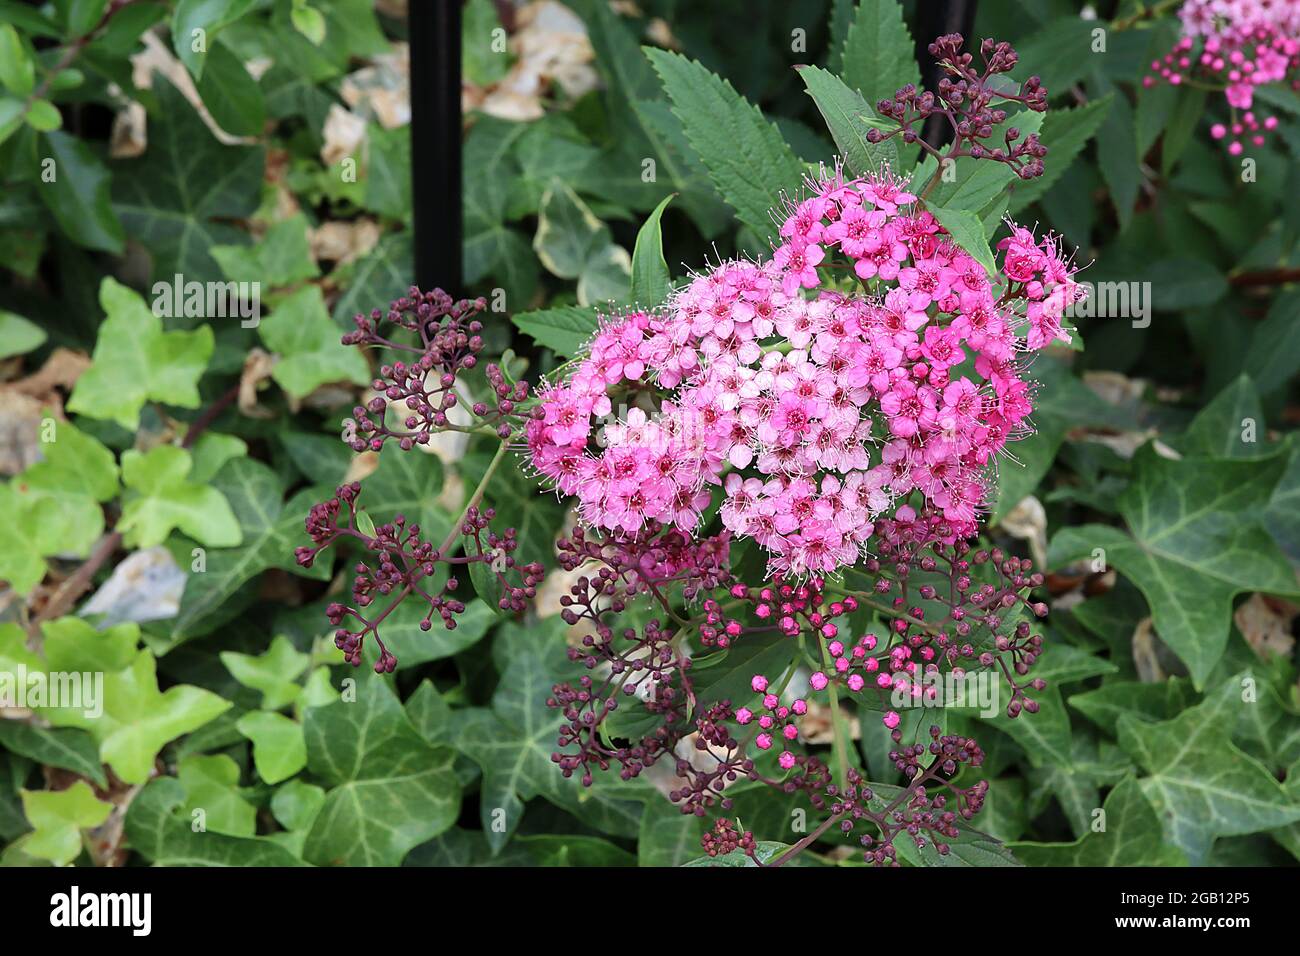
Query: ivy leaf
(18,336)
(410,484)
(1132,837)
(78,196)
(211,784)
(1199,783)
(138,720)
(301,333)
(279,748)
(391,789)
(72,644)
(512,741)
(651,282)
(231,95)
(879,55)
(573,244)
(1219,429)
(668,837)
(136,361)
(564,329)
(281,257)
(379,277)
(53,507)
(58,817)
(161,498)
(68,748)
(273,673)
(848,117)
(155,831)
(193,19)
(180,197)
(748,161)
(271,530)
(1192,552)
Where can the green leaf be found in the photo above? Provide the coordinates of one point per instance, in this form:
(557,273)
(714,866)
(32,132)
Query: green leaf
(279,748)
(391,790)
(564,329)
(72,644)
(651,281)
(573,244)
(17,334)
(43,116)
(747,159)
(68,748)
(156,831)
(879,56)
(383,275)
(271,531)
(848,117)
(308,21)
(165,499)
(668,837)
(58,817)
(1131,837)
(1201,786)
(388,172)
(274,673)
(78,195)
(182,195)
(136,361)
(211,784)
(967,231)
(232,96)
(301,332)
(1191,547)
(281,257)
(207,16)
(1219,429)
(17,72)
(512,741)
(138,720)
(1064,132)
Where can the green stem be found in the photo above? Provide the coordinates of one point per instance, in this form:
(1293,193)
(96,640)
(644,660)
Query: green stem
(474,499)
(838,730)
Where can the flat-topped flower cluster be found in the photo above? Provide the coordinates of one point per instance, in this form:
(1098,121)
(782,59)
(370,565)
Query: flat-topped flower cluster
(1236,46)
(812,410)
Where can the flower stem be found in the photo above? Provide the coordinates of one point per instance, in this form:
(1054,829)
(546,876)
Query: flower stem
(838,730)
(474,500)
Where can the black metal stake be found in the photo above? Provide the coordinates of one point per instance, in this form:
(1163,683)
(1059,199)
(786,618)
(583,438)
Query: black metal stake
(434,33)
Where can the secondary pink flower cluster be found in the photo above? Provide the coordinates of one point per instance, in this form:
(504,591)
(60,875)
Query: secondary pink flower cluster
(1243,44)
(814,410)
(778,718)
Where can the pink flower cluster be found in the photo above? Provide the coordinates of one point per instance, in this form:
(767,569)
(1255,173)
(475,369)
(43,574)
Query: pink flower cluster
(814,410)
(1244,44)
(778,719)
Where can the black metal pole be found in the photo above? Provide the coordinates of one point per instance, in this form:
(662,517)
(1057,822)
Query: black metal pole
(434,33)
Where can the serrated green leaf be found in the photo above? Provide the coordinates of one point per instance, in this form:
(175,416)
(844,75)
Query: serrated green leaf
(747,159)
(565,329)
(848,117)
(879,56)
